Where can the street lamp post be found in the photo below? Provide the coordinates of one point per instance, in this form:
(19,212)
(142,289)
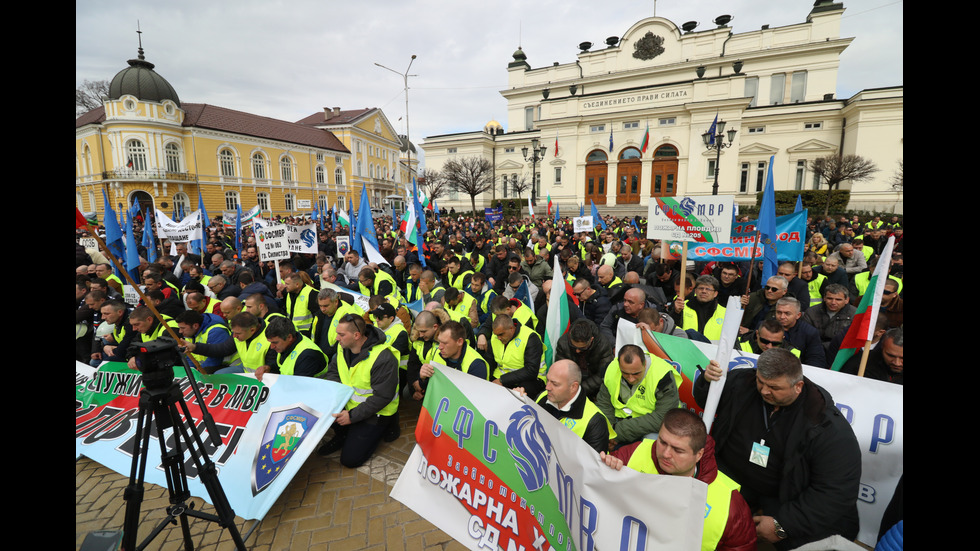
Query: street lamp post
(405,75)
(716,140)
(536,155)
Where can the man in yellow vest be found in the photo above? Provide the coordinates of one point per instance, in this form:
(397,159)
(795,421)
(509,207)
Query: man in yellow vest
(248,343)
(683,448)
(455,353)
(300,302)
(702,314)
(204,328)
(424,349)
(517,355)
(564,400)
(365,363)
(769,335)
(638,390)
(296,354)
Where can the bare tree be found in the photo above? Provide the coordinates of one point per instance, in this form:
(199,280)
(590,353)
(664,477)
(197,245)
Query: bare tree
(520,186)
(470,175)
(898,179)
(434,184)
(89,95)
(834,169)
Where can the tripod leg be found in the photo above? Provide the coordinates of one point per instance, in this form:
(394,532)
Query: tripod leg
(134,491)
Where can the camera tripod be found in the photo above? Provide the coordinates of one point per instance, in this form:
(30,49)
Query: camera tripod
(159,401)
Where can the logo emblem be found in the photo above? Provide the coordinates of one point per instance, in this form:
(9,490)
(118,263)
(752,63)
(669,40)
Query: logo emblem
(648,47)
(530,446)
(284,431)
(307,237)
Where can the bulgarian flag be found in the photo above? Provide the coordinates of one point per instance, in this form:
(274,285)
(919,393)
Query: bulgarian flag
(530,209)
(862,328)
(424,201)
(343,218)
(558,316)
(685,357)
(409,225)
(646,139)
(549,203)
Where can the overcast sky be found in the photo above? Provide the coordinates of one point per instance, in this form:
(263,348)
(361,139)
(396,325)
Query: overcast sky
(289,59)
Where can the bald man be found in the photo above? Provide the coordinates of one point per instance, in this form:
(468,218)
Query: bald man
(564,400)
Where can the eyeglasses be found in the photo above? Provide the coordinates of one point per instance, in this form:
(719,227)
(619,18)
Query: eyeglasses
(767,341)
(358,322)
(513,268)
(773,289)
(887,292)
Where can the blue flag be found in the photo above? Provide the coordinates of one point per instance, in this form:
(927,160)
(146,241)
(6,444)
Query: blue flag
(419,213)
(132,254)
(597,218)
(365,226)
(767,227)
(435,207)
(394,220)
(581,209)
(799,203)
(333,216)
(610,139)
(113,233)
(713,130)
(148,240)
(557,208)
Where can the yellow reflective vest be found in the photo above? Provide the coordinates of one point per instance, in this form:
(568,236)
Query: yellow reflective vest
(510,356)
(287,365)
(298,310)
(644,398)
(358,377)
(712,328)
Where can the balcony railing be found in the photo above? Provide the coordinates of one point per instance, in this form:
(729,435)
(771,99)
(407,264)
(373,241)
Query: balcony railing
(150,174)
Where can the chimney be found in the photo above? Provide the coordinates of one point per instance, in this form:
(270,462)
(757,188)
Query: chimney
(329,113)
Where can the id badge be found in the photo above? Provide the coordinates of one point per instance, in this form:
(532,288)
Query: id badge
(760,454)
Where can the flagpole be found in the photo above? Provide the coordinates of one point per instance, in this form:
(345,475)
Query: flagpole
(864,358)
(149,303)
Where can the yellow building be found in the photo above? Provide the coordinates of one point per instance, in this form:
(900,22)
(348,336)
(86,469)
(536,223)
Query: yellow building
(143,144)
(375,152)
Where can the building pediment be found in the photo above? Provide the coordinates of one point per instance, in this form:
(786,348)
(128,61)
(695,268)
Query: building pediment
(758,149)
(812,146)
(510,164)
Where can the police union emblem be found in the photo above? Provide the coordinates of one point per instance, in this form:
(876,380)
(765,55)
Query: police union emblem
(284,431)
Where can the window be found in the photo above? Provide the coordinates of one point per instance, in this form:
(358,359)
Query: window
(338,177)
(800,172)
(371,150)
(258,166)
(557,175)
(322,201)
(360,168)
(711,168)
(231,200)
(319,157)
(290,202)
(182,204)
(630,125)
(172,154)
(226,160)
(451,150)
(263,200)
(508,150)
(668,122)
(760,176)
(358,146)
(286,169)
(752,90)
(743,182)
(797,91)
(320,178)
(757,129)
(504,182)
(136,155)
(665,151)
(777,88)
(528,118)
(597,128)
(812,125)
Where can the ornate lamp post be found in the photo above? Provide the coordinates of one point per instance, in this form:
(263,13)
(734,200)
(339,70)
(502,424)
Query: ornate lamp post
(537,152)
(714,138)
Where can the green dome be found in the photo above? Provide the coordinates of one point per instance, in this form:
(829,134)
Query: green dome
(140,80)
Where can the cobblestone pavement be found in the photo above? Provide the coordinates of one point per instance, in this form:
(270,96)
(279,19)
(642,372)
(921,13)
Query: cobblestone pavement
(325,507)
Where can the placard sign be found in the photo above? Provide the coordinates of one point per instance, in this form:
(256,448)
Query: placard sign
(304,204)
(701,219)
(273,242)
(583,223)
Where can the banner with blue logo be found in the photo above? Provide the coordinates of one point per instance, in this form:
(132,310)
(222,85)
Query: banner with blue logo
(790,228)
(494,470)
(302,239)
(268,428)
(494,214)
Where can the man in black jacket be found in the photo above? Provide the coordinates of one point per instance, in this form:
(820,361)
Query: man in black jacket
(589,349)
(799,462)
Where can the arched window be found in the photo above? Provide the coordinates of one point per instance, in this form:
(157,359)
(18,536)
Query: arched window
(226,162)
(290,202)
(172,155)
(596,156)
(182,204)
(338,177)
(286,169)
(320,178)
(258,166)
(630,153)
(665,151)
(135,155)
(263,200)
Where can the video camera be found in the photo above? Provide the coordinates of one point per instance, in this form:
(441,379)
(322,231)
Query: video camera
(155,360)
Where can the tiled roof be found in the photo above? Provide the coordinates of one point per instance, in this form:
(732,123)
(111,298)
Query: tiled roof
(343,117)
(202,115)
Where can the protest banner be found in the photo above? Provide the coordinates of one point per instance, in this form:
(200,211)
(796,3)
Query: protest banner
(304,204)
(88,242)
(494,470)
(301,239)
(268,429)
(702,219)
(791,230)
(493,214)
(184,231)
(583,224)
(343,245)
(229,218)
(272,242)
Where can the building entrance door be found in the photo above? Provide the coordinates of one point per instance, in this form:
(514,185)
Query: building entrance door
(664,172)
(595,177)
(628,177)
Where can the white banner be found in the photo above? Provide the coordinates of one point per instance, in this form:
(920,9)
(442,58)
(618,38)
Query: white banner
(272,242)
(702,219)
(583,224)
(188,229)
(494,470)
(301,239)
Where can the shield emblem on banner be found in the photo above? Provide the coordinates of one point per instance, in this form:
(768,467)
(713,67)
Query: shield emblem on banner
(284,431)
